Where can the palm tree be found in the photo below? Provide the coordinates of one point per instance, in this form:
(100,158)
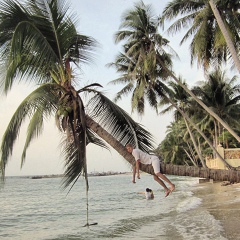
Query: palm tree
(139,31)
(137,65)
(222,95)
(136,83)
(181,101)
(208,45)
(172,147)
(39,43)
(140,84)
(224,30)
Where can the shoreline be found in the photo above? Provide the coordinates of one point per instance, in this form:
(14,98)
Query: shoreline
(92,174)
(223,202)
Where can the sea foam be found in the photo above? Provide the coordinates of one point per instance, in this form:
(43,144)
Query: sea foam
(188,203)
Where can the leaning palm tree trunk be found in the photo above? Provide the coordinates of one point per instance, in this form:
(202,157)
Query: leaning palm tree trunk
(179,170)
(194,143)
(225,34)
(224,124)
(102,133)
(201,133)
(190,157)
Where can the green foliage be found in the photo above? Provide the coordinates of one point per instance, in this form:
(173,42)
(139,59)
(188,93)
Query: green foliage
(138,64)
(171,149)
(208,45)
(221,95)
(39,43)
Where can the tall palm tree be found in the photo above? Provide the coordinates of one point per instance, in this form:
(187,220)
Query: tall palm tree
(222,95)
(143,42)
(39,44)
(137,64)
(208,45)
(234,6)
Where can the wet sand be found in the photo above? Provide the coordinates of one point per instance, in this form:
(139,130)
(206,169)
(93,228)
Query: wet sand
(223,202)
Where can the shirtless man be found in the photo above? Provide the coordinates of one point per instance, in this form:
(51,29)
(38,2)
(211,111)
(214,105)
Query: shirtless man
(144,158)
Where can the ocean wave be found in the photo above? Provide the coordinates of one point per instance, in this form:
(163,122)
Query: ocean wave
(188,204)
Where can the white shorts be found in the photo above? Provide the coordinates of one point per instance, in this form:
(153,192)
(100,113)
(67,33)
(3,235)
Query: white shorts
(155,164)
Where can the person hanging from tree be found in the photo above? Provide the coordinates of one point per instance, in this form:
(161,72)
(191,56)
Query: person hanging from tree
(144,158)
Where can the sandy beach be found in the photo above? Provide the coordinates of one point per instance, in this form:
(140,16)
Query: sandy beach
(223,202)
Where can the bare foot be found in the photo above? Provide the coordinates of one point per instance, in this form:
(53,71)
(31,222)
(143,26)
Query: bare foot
(172,188)
(167,192)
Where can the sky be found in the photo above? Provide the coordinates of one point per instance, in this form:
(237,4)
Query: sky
(99,19)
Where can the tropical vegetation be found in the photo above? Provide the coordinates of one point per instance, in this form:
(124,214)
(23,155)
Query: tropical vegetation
(39,43)
(145,69)
(222,96)
(208,45)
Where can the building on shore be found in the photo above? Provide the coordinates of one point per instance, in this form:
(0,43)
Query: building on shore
(231,155)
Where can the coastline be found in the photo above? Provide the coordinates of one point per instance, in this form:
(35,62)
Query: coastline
(92,174)
(223,202)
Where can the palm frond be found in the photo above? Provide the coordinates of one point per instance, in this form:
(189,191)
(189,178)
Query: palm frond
(93,138)
(123,92)
(35,128)
(181,7)
(40,32)
(74,165)
(75,157)
(74,151)
(118,123)
(29,53)
(182,22)
(42,99)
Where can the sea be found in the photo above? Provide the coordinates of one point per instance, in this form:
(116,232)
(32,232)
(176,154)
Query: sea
(40,209)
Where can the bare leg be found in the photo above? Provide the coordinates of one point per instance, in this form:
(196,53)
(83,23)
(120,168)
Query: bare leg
(167,191)
(163,177)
